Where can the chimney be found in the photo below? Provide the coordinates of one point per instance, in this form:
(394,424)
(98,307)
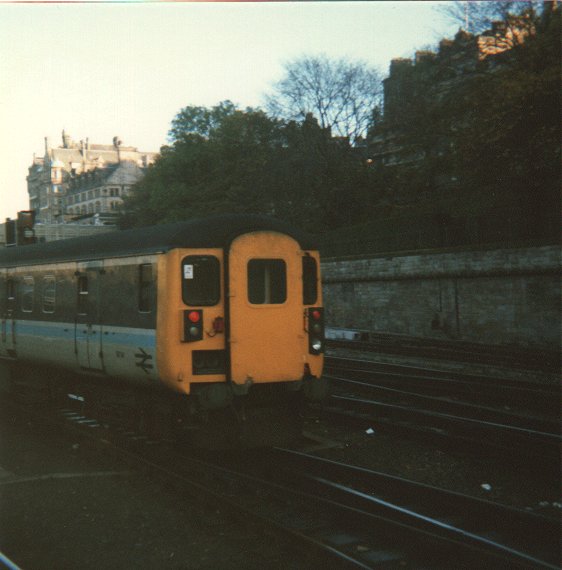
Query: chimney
(117,143)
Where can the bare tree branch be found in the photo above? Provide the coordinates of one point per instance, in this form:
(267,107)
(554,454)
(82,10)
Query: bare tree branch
(478,16)
(341,94)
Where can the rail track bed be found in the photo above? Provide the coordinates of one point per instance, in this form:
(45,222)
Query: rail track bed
(515,416)
(441,349)
(351,497)
(340,515)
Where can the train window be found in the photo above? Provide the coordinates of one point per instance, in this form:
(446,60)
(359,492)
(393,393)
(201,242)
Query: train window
(200,280)
(145,288)
(82,295)
(49,291)
(309,280)
(267,281)
(10,290)
(28,294)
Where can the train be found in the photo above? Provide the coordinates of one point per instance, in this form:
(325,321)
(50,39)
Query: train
(214,324)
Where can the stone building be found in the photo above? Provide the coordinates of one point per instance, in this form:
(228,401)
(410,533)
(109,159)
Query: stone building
(76,178)
(100,191)
(429,77)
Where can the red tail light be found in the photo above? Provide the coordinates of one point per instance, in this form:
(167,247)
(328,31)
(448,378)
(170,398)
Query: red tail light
(192,325)
(315,330)
(194,316)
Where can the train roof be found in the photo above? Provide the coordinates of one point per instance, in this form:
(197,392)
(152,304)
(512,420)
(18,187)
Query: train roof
(216,231)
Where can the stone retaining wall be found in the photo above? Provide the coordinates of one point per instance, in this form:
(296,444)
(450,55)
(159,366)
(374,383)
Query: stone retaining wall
(502,296)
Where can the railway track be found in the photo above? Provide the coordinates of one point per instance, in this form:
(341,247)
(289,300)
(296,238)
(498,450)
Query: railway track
(533,395)
(502,414)
(439,349)
(511,536)
(342,515)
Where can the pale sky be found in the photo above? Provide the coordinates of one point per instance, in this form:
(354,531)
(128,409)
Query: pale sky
(99,70)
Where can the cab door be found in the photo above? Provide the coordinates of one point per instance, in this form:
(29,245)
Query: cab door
(265,309)
(8,325)
(88,327)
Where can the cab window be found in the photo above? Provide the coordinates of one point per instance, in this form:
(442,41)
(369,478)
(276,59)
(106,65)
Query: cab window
(200,280)
(267,281)
(309,280)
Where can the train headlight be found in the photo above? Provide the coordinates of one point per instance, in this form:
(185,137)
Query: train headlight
(316,345)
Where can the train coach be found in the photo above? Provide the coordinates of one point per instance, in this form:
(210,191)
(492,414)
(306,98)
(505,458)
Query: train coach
(213,322)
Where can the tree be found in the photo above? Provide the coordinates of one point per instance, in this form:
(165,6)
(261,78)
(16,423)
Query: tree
(193,121)
(223,159)
(510,137)
(340,94)
(215,164)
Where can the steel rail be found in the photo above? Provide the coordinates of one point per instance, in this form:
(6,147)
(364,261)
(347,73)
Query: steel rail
(483,413)
(484,433)
(357,364)
(464,352)
(434,508)
(131,447)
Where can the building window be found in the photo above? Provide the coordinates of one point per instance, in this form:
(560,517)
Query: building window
(267,281)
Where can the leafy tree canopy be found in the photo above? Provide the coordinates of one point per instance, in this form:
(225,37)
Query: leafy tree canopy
(223,159)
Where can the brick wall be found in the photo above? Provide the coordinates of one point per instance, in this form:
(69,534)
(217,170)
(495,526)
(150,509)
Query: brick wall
(503,296)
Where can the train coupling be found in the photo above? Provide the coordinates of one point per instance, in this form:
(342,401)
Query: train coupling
(315,388)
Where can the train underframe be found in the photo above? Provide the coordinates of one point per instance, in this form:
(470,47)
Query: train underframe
(214,416)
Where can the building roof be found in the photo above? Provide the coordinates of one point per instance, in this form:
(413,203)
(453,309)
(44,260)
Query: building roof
(216,231)
(107,155)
